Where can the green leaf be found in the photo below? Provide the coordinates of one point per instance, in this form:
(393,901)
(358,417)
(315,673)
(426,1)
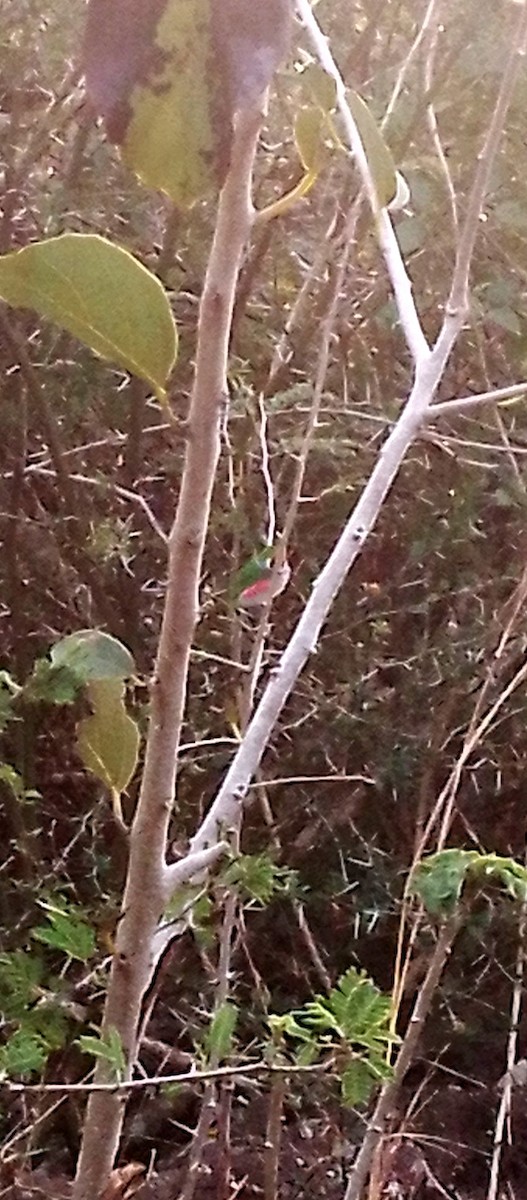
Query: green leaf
(170,140)
(91,654)
(258,877)
(12,780)
(379,157)
(22,1054)
(167,76)
(218,1038)
(411,234)
(320,86)
(310,124)
(102,295)
(307,1053)
(50,1022)
(506,318)
(358,1080)
(510,874)
(52,685)
(108,1049)
(20,977)
(439,879)
(108,741)
(88,654)
(158,88)
(355,1012)
(66,930)
(286,1024)
(362,1011)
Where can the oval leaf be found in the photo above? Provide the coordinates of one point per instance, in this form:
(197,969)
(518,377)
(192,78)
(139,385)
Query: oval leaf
(380,160)
(320,86)
(151,73)
(309,129)
(170,140)
(101,294)
(108,741)
(168,76)
(91,654)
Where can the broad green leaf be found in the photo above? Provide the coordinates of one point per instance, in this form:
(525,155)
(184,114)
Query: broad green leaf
(218,1039)
(171,140)
(168,76)
(380,160)
(312,124)
(88,654)
(108,740)
(102,295)
(92,654)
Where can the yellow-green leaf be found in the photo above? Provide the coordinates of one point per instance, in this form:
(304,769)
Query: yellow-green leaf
(309,137)
(108,740)
(379,157)
(171,140)
(101,294)
(320,87)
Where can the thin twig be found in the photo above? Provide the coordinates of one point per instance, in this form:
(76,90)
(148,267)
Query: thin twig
(109,486)
(280,781)
(431,117)
(446,407)
(156,1081)
(401,283)
(425,27)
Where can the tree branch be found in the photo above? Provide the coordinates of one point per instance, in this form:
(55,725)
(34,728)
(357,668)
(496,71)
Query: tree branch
(147,883)
(466,403)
